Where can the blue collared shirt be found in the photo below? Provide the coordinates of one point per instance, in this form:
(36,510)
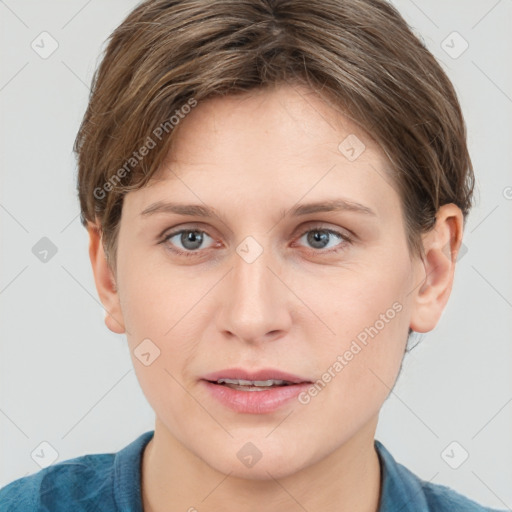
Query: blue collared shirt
(111,482)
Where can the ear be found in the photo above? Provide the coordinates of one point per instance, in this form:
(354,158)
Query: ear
(436,272)
(105,280)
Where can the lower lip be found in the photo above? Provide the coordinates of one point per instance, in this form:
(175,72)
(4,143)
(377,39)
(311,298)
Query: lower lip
(255,402)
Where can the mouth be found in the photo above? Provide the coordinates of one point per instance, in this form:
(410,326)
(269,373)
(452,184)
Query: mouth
(254,392)
(252,385)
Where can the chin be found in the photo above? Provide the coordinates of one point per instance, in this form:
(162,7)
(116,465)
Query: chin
(259,472)
(250,463)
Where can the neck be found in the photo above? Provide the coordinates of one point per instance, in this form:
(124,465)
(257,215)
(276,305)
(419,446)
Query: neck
(175,480)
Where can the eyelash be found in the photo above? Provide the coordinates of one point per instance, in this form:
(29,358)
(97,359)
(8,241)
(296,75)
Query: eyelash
(342,246)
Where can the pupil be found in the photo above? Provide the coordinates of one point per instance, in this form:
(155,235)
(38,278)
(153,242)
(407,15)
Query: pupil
(315,236)
(192,236)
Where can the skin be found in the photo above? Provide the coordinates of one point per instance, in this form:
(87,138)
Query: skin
(296,307)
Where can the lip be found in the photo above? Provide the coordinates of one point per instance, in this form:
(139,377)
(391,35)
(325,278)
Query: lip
(255,402)
(263,374)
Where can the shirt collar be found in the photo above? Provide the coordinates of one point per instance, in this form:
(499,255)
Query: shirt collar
(401,490)
(127,474)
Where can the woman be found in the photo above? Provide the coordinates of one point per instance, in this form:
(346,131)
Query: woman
(275,194)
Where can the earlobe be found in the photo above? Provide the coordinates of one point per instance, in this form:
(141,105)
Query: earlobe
(105,281)
(436,272)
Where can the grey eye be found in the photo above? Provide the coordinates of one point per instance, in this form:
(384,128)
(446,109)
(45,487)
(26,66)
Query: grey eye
(190,239)
(320,238)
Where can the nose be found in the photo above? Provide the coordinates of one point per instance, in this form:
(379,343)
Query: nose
(256,304)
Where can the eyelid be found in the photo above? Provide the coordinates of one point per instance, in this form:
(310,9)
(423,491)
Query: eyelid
(172,232)
(189,226)
(346,240)
(346,233)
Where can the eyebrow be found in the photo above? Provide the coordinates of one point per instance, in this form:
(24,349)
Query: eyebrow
(198,210)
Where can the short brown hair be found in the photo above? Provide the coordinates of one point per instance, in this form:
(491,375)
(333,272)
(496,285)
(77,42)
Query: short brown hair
(360,55)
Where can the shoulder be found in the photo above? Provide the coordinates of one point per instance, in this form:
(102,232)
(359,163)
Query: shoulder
(75,483)
(403,490)
(102,482)
(441,498)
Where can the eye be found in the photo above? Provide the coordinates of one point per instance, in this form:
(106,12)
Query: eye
(191,241)
(319,238)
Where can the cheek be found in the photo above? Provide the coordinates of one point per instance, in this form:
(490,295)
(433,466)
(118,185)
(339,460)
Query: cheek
(354,379)
(360,355)
(158,345)
(161,310)
(363,304)
(152,298)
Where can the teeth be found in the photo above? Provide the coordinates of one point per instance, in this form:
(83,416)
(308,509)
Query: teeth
(257,383)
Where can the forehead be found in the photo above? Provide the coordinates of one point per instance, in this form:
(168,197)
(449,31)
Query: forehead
(270,147)
(285,120)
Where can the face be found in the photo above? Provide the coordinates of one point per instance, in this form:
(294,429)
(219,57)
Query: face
(324,296)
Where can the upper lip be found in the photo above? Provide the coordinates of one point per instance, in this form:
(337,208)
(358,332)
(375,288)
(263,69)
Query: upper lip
(263,374)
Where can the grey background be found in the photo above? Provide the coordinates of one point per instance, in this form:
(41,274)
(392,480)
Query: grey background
(67,380)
